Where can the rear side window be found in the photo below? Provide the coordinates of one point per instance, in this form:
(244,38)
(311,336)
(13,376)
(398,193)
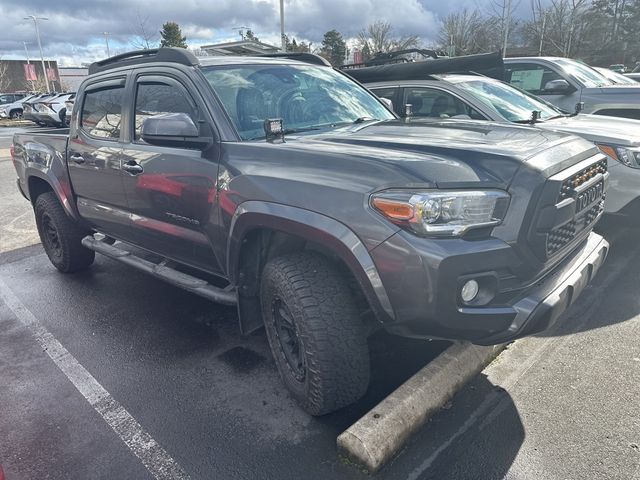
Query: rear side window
(434,103)
(102,112)
(154,98)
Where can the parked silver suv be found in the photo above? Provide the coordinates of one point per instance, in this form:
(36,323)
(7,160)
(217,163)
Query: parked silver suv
(565,83)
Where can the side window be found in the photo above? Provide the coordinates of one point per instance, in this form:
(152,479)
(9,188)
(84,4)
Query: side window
(6,99)
(388,93)
(434,103)
(102,112)
(154,98)
(530,77)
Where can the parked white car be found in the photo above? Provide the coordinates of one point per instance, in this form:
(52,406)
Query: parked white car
(14,109)
(50,111)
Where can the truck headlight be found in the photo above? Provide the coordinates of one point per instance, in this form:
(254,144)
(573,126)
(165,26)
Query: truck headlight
(442,213)
(625,155)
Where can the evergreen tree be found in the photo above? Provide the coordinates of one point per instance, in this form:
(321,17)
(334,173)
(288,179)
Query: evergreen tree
(172,36)
(334,47)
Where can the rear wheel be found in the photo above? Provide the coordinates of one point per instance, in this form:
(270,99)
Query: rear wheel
(316,336)
(60,236)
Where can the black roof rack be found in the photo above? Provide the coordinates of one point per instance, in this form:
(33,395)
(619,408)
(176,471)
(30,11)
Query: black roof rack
(386,58)
(165,54)
(311,58)
(422,70)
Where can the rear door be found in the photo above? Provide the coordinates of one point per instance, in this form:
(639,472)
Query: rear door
(94,157)
(171,190)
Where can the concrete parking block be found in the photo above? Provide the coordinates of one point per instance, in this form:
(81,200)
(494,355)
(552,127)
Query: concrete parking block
(376,437)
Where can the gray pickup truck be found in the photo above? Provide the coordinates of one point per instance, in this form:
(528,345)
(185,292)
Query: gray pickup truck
(566,83)
(282,186)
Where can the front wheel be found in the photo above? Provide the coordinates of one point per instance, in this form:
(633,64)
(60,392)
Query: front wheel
(15,114)
(316,336)
(60,236)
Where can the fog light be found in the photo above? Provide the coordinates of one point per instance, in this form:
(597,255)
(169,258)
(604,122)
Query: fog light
(469,291)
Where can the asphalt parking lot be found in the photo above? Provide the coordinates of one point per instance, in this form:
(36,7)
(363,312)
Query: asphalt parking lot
(562,405)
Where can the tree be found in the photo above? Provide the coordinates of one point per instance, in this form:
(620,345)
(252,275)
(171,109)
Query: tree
(249,35)
(378,37)
(466,32)
(172,36)
(334,48)
(5,81)
(295,47)
(145,38)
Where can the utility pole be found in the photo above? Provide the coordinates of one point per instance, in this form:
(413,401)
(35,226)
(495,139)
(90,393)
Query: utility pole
(35,22)
(106,39)
(282,35)
(507,22)
(544,25)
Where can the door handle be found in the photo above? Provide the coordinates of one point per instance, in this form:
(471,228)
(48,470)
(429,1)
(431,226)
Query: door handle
(77,158)
(133,168)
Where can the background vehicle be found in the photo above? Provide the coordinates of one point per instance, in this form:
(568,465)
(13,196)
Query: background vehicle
(14,110)
(321,215)
(28,107)
(50,110)
(635,74)
(565,82)
(618,68)
(469,96)
(65,113)
(6,98)
(615,77)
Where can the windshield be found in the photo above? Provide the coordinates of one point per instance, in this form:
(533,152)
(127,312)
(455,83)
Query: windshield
(583,73)
(616,77)
(510,102)
(305,97)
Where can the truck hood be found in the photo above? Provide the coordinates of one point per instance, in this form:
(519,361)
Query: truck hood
(443,152)
(598,129)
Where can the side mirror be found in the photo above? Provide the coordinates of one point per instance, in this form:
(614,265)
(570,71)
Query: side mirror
(387,102)
(557,86)
(172,130)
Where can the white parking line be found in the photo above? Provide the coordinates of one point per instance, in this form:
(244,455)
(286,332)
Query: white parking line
(157,461)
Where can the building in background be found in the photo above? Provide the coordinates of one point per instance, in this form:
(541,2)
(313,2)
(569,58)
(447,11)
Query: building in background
(242,47)
(24,76)
(72,77)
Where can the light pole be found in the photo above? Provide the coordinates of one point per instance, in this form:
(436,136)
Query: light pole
(35,22)
(507,22)
(544,25)
(106,39)
(282,35)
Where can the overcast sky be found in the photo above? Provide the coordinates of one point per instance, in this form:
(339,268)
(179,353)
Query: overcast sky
(73,32)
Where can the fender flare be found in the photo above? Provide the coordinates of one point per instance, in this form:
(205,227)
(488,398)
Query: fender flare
(316,228)
(49,165)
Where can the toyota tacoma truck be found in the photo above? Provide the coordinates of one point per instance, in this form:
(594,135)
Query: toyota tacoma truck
(282,186)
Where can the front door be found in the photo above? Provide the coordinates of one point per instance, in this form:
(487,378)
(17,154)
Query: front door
(533,78)
(94,158)
(171,191)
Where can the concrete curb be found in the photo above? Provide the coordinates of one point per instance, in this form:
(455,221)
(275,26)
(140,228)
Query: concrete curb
(377,436)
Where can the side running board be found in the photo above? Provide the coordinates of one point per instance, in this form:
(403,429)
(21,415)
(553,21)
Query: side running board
(226,296)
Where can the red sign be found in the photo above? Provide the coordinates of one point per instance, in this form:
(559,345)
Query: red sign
(30,72)
(51,74)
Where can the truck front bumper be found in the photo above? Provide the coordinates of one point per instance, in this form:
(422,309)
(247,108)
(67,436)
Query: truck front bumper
(426,300)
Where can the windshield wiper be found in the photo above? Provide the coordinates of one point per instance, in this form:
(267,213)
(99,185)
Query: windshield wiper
(363,119)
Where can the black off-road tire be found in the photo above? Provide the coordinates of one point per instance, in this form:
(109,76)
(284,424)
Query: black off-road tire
(15,114)
(333,368)
(60,236)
